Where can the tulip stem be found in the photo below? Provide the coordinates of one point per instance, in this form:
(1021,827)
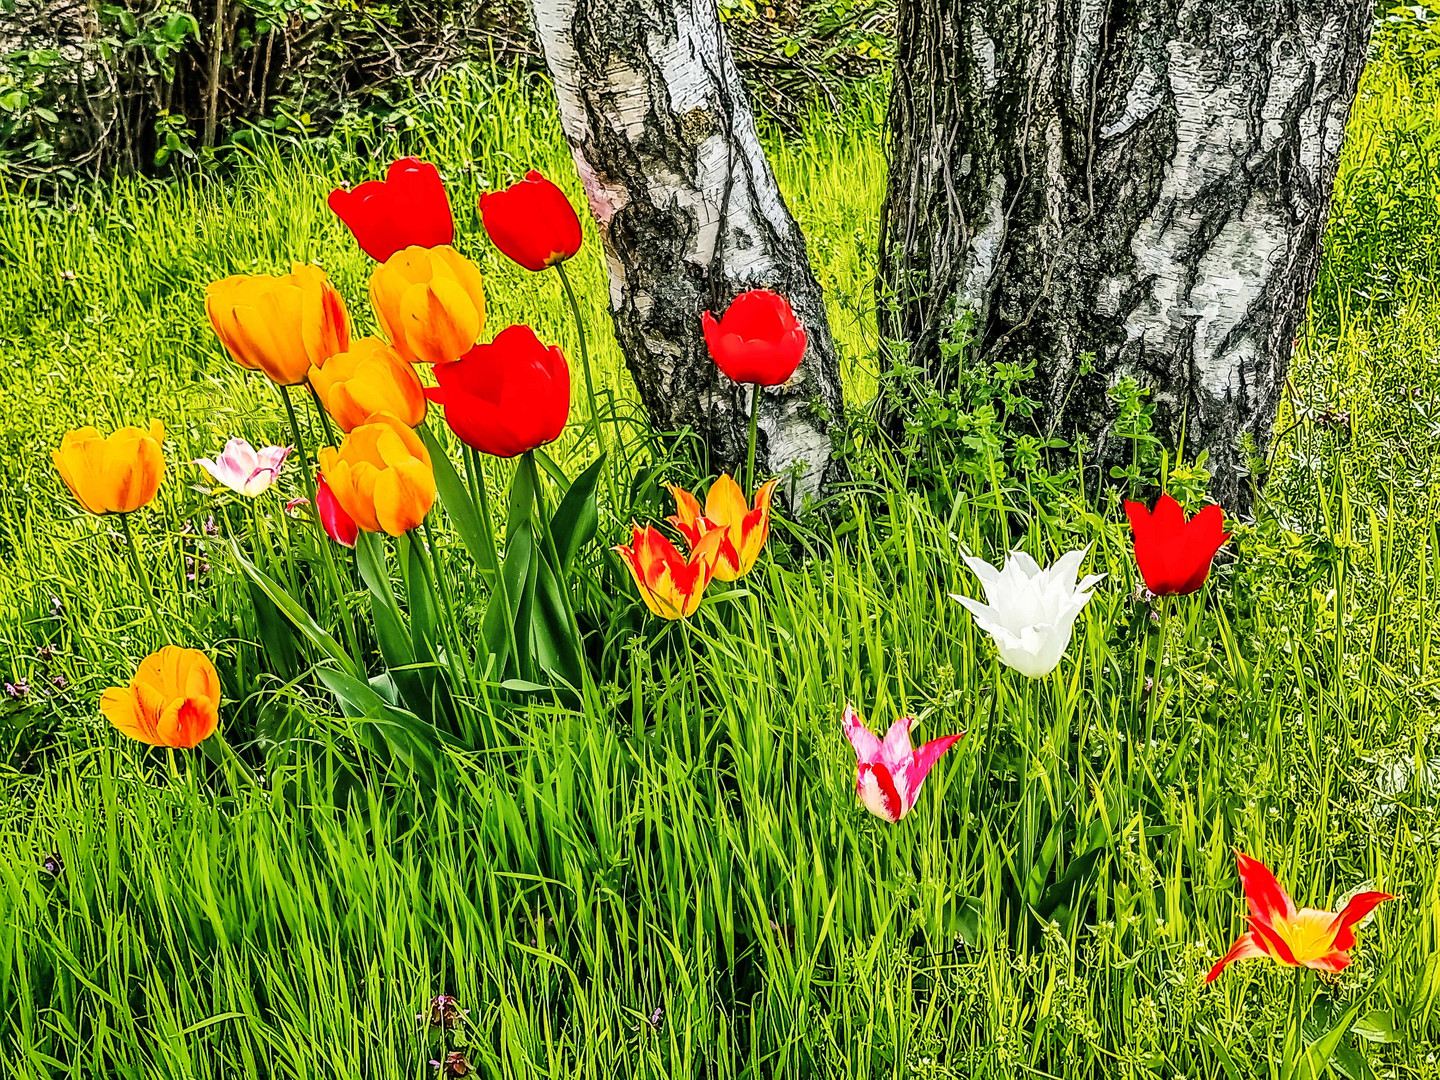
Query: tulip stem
(324,416)
(327,557)
(754,428)
(477,478)
(590,385)
(439,585)
(1152,704)
(141,577)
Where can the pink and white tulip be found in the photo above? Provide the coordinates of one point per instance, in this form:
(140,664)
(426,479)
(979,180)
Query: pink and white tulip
(245,470)
(889,772)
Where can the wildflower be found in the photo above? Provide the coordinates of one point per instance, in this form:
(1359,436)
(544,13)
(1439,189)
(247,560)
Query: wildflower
(532,222)
(1030,612)
(1174,555)
(506,397)
(52,865)
(444,1012)
(409,208)
(112,474)
(57,608)
(18,689)
(455,1065)
(59,681)
(757,340)
(245,470)
(1306,937)
(727,510)
(889,773)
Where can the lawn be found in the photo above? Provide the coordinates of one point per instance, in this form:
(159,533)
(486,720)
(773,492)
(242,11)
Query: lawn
(670,875)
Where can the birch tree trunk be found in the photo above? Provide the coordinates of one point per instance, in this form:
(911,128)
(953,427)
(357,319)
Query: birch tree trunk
(1146,182)
(690,216)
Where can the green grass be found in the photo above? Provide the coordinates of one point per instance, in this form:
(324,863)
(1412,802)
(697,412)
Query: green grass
(598,865)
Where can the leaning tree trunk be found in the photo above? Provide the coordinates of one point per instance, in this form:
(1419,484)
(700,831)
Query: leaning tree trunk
(690,215)
(1120,189)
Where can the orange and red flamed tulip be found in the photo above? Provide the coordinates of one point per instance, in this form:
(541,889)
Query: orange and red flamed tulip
(1174,555)
(532,222)
(367,379)
(381,476)
(115,473)
(757,340)
(338,525)
(279,324)
(430,302)
(727,511)
(889,772)
(1305,937)
(671,584)
(173,700)
(408,208)
(506,397)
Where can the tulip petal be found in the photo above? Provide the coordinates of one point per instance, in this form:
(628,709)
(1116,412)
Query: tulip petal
(865,742)
(1245,948)
(1359,906)
(1267,900)
(922,761)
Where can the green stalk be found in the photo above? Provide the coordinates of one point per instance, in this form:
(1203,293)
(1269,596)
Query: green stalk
(141,577)
(472,459)
(1151,706)
(590,385)
(308,468)
(324,416)
(754,427)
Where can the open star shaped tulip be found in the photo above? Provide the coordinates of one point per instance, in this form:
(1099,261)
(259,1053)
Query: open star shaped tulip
(1030,612)
(245,470)
(1173,554)
(726,509)
(889,772)
(1304,937)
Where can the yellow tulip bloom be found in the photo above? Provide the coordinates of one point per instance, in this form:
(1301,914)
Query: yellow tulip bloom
(279,324)
(430,303)
(370,378)
(112,474)
(381,476)
(727,511)
(173,700)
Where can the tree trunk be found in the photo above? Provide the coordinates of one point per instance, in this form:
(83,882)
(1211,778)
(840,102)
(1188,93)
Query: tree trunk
(1120,189)
(690,216)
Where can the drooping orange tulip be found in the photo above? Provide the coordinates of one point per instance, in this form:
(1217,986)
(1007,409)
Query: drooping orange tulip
(727,511)
(370,378)
(671,585)
(1306,937)
(113,474)
(381,476)
(279,324)
(430,303)
(173,700)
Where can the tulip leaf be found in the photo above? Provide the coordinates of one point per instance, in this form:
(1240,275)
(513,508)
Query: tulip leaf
(1377,1026)
(577,518)
(297,615)
(501,620)
(408,737)
(455,497)
(275,632)
(556,647)
(420,599)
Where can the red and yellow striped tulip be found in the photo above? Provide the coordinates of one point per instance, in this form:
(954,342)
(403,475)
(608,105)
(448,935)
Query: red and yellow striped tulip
(112,474)
(671,585)
(173,700)
(726,511)
(1304,937)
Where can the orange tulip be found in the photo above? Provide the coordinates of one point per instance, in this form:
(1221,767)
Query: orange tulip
(670,584)
(173,700)
(370,378)
(726,511)
(381,476)
(1306,937)
(280,325)
(430,303)
(112,474)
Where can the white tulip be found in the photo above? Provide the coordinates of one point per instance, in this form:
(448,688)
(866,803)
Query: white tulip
(1029,611)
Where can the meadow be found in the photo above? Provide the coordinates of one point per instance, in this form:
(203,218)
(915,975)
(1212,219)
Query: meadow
(671,877)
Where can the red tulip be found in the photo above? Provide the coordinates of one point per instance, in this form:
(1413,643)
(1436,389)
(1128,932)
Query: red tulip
(406,209)
(532,222)
(338,525)
(506,397)
(757,340)
(1174,555)
(1306,937)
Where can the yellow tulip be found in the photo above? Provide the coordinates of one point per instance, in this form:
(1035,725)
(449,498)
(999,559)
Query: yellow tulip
(430,303)
(370,378)
(727,511)
(112,474)
(381,476)
(279,324)
(173,700)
